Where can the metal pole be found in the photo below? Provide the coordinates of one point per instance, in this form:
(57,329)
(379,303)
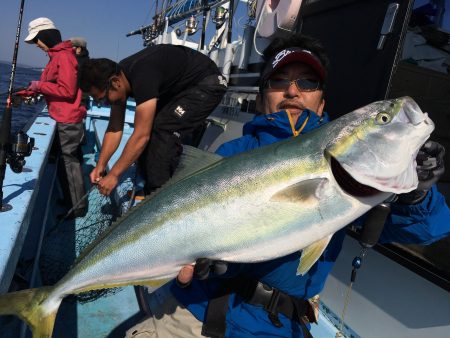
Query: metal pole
(205,13)
(6,122)
(230,21)
(185,36)
(228,58)
(166,30)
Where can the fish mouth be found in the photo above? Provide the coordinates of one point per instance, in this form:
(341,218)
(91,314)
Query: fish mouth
(380,157)
(348,183)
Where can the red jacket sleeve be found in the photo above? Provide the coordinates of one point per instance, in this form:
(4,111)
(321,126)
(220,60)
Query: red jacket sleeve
(64,86)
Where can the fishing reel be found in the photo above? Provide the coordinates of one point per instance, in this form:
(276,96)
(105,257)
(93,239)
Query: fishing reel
(33,99)
(149,35)
(251,9)
(219,16)
(17,100)
(191,25)
(17,150)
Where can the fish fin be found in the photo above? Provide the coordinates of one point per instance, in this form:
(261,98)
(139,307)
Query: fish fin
(305,191)
(193,160)
(27,305)
(311,254)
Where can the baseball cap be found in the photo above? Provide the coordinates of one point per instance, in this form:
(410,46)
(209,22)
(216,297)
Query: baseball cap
(290,55)
(37,25)
(78,41)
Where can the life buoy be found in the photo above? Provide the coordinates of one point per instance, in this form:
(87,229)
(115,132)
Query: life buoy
(276,14)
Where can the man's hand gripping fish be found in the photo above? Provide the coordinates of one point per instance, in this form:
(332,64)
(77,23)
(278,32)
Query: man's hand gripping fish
(267,203)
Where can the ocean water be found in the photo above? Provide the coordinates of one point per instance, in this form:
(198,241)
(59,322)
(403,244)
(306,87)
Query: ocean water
(24,113)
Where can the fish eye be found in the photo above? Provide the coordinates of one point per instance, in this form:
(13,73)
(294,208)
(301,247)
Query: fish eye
(383,118)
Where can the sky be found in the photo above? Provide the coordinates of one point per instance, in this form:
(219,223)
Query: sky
(103,23)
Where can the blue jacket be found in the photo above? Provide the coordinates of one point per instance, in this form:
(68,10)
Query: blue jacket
(421,223)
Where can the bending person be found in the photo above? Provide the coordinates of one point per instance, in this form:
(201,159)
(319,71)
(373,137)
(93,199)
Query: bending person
(175,89)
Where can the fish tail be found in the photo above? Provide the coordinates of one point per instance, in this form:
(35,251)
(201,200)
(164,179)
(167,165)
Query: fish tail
(29,305)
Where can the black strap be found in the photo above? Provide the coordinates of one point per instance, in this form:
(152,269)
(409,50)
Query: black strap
(300,310)
(215,324)
(256,293)
(272,308)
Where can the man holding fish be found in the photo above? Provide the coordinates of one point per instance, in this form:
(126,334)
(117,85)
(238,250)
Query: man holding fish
(276,201)
(278,297)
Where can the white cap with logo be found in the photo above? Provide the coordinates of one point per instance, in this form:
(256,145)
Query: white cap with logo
(37,25)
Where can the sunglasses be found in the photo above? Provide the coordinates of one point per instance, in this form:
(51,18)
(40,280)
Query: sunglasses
(104,101)
(303,85)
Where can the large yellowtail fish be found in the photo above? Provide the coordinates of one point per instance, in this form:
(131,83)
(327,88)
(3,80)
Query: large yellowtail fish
(256,206)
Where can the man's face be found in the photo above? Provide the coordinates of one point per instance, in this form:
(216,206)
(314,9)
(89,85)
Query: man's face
(98,95)
(113,94)
(291,98)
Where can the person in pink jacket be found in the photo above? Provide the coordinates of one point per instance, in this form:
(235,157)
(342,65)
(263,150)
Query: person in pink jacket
(59,85)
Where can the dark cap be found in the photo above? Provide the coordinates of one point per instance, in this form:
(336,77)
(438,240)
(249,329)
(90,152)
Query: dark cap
(290,55)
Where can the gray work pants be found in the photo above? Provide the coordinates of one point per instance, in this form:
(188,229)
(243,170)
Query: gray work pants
(68,141)
(170,319)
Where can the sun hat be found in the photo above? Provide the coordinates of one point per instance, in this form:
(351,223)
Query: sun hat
(37,25)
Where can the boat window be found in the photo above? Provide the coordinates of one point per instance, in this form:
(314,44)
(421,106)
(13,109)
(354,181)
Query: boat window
(423,73)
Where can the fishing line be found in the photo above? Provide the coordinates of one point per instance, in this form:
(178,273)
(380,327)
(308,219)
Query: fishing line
(150,10)
(117,51)
(74,207)
(263,11)
(52,229)
(133,193)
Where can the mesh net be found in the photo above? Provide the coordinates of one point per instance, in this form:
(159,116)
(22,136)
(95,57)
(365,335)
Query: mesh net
(67,239)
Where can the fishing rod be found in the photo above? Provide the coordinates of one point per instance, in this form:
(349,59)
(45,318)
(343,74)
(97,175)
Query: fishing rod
(14,91)
(12,152)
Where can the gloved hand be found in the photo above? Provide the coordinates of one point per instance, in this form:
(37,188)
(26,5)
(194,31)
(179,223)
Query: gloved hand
(204,267)
(34,86)
(430,168)
(202,270)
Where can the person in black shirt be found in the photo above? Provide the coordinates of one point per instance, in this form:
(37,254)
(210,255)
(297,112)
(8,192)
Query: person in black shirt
(175,89)
(79,46)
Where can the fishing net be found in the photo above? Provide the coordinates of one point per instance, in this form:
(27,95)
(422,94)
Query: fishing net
(68,238)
